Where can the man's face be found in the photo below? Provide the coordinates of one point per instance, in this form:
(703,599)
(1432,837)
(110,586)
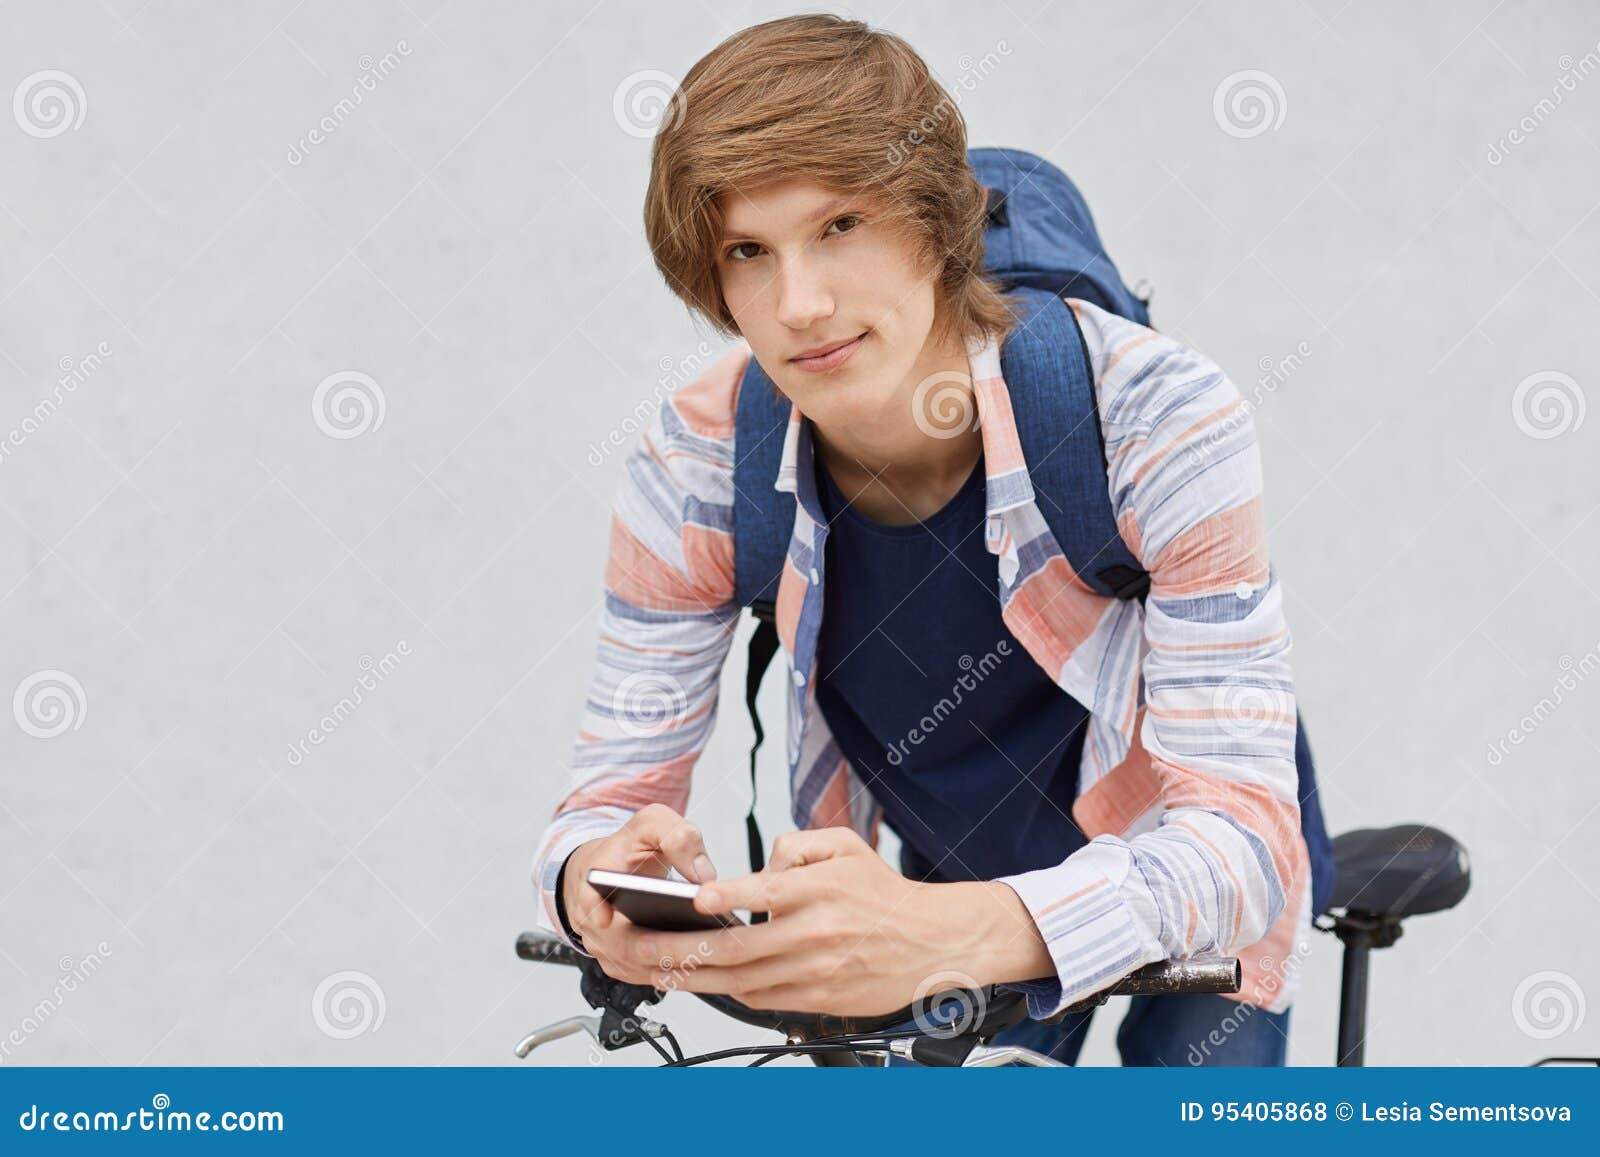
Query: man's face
(805,268)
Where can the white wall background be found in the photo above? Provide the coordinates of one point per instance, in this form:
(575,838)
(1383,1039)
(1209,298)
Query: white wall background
(183,539)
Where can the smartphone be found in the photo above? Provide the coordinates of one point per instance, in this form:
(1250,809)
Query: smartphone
(651,902)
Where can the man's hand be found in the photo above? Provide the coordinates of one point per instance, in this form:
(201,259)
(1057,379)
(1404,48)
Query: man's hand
(847,934)
(654,840)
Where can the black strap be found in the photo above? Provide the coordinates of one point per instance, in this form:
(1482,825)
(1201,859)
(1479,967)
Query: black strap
(1126,581)
(995,207)
(763,645)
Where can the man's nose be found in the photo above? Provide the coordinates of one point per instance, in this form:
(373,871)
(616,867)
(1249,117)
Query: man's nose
(803,296)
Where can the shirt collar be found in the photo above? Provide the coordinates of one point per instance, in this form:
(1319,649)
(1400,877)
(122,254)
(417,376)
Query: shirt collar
(1006,482)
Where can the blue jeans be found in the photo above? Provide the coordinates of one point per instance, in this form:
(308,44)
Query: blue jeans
(1189,1029)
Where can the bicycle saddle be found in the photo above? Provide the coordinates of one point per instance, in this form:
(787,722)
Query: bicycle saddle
(1401,871)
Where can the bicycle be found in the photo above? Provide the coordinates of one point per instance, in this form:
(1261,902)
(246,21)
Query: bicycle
(1384,876)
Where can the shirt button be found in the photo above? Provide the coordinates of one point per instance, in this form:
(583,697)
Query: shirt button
(1243,590)
(799,678)
(815,577)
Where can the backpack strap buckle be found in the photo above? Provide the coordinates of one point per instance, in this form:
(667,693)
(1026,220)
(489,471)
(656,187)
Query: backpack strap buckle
(1125,582)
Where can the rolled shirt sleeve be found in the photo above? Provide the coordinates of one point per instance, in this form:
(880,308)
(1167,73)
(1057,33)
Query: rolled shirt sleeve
(1214,748)
(665,626)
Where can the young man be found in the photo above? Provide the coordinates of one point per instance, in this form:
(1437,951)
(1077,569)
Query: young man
(810,192)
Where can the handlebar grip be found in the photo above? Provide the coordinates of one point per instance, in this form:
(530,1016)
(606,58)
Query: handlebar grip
(1168,977)
(543,948)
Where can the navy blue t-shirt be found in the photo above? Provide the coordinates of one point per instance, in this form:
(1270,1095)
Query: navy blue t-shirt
(970,748)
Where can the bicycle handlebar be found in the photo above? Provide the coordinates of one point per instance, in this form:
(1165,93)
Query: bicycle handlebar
(1164,977)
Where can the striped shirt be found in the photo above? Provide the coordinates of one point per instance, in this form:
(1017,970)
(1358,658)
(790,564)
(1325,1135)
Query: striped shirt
(1187,785)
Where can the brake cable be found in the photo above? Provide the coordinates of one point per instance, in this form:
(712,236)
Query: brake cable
(865,1042)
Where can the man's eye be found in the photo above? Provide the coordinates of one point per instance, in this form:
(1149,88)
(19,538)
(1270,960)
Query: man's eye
(733,251)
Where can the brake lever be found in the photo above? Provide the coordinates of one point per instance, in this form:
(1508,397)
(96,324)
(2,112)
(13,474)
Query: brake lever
(966,1052)
(555,1031)
(994,1056)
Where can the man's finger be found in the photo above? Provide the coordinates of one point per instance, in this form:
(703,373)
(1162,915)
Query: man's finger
(679,953)
(793,849)
(754,891)
(784,968)
(785,998)
(672,841)
(685,849)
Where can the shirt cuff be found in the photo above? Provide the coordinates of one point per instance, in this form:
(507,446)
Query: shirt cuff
(561,906)
(1091,928)
(550,868)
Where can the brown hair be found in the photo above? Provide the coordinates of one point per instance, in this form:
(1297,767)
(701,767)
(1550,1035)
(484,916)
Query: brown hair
(838,103)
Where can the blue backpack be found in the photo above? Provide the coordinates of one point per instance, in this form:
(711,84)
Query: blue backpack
(1041,244)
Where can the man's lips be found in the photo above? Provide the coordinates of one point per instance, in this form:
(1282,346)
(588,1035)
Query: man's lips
(827,356)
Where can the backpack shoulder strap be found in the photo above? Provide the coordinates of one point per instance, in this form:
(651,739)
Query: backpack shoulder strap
(1045,363)
(763,518)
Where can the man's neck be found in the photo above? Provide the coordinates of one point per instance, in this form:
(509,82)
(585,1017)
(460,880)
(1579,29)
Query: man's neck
(905,464)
